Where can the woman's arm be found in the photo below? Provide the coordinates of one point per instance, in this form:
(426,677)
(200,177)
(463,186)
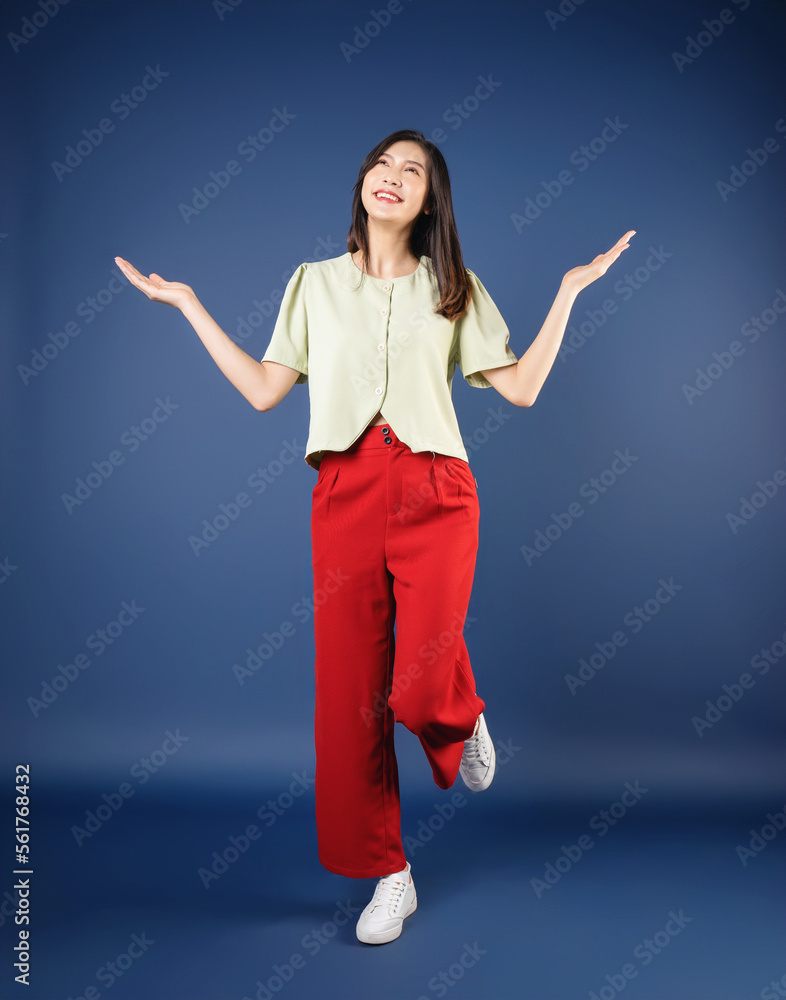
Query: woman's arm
(520,383)
(263,383)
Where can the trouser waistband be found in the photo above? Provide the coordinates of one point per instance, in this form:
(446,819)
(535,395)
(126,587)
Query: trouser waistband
(380,437)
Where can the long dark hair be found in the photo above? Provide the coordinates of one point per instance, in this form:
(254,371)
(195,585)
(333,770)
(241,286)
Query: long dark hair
(433,235)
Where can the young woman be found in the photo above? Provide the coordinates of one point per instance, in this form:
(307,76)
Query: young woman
(377,333)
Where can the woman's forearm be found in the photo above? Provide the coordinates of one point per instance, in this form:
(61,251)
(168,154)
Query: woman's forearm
(245,373)
(535,364)
(521,383)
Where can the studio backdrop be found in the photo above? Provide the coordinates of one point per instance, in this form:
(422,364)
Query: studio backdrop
(627,621)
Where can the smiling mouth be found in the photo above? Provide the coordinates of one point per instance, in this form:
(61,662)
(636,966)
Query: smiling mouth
(385,196)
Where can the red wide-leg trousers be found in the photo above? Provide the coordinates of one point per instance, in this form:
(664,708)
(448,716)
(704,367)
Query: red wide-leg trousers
(394,539)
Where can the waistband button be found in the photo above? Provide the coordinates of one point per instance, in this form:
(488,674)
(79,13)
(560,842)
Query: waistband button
(388,440)
(386,430)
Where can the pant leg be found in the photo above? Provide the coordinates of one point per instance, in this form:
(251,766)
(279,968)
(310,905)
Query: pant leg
(356,791)
(432,543)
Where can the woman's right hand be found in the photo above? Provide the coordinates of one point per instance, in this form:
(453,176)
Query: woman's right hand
(173,293)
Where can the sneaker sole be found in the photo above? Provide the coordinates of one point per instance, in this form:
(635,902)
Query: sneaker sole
(383,937)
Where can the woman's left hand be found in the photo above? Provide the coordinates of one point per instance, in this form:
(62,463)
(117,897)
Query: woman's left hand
(579,277)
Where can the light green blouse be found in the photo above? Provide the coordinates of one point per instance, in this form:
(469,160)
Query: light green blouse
(364,344)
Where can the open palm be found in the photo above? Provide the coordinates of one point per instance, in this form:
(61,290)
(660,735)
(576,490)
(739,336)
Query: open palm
(579,277)
(173,293)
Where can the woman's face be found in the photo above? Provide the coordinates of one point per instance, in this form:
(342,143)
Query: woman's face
(401,170)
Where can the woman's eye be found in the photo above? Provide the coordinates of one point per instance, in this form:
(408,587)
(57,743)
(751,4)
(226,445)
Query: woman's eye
(383,160)
(414,170)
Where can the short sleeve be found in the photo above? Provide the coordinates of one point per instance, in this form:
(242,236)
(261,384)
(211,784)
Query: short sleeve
(289,343)
(482,337)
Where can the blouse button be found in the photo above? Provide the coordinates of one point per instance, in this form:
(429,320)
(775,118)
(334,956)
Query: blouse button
(383,312)
(381,347)
(378,390)
(386,288)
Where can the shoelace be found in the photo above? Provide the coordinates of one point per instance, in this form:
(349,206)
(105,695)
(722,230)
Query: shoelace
(476,751)
(389,892)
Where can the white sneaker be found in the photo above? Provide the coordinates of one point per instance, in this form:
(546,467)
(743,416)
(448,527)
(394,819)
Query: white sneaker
(394,899)
(479,760)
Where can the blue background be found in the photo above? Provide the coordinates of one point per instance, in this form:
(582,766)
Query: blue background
(699,268)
